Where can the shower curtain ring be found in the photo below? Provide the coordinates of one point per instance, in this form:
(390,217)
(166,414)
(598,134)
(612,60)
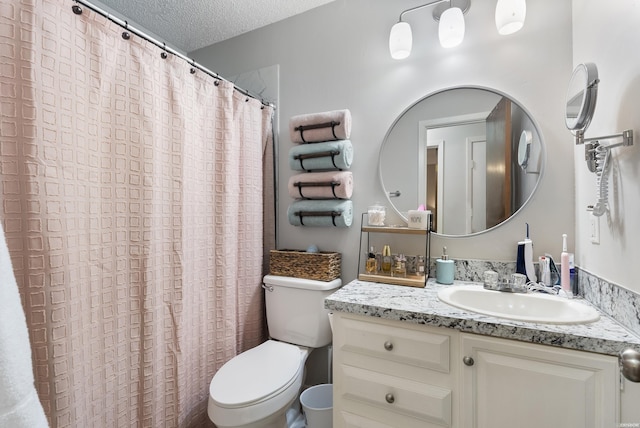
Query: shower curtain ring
(125,34)
(193,67)
(76,9)
(163,55)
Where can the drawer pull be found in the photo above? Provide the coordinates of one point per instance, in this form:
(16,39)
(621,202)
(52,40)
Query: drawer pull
(388,345)
(390,398)
(468,361)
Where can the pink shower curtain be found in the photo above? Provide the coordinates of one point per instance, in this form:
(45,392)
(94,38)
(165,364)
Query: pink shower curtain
(133,197)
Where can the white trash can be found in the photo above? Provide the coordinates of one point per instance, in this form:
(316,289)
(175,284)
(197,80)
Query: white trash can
(317,404)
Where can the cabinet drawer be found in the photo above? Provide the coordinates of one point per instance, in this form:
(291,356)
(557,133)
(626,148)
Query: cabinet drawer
(395,397)
(352,420)
(401,345)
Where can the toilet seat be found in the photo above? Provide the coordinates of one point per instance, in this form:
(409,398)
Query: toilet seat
(269,368)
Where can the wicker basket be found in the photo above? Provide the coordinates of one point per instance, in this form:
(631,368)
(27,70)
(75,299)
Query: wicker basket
(322,266)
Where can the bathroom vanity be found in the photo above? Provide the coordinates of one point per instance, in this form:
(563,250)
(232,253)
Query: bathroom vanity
(402,358)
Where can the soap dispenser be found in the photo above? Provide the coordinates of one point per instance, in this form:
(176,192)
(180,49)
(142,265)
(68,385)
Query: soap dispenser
(444,268)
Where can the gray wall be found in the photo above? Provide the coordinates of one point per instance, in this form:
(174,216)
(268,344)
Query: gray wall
(336,56)
(607,34)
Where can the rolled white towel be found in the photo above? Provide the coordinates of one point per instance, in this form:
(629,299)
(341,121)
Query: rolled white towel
(19,403)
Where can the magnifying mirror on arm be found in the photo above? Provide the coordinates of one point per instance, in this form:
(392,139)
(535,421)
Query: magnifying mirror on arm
(581,99)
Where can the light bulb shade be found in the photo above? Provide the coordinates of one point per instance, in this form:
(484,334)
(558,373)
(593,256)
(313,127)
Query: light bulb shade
(400,40)
(451,28)
(510,15)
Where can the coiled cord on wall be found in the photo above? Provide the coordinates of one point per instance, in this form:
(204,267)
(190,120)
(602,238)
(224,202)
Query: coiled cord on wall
(602,180)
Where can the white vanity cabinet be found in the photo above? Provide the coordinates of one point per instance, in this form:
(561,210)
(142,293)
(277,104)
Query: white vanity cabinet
(390,374)
(505,383)
(402,375)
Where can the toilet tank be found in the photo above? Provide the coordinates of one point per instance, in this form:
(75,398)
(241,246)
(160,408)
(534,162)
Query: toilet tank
(295,310)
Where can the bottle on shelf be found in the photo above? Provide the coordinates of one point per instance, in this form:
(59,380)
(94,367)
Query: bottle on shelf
(372,264)
(400,267)
(420,265)
(386,260)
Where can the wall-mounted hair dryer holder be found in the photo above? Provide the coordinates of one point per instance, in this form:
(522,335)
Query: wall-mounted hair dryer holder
(597,156)
(592,143)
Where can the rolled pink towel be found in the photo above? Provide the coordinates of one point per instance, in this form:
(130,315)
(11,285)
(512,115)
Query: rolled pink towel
(321,185)
(318,127)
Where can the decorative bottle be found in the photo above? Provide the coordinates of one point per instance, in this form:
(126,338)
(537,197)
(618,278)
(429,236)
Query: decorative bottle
(420,266)
(400,268)
(372,264)
(386,260)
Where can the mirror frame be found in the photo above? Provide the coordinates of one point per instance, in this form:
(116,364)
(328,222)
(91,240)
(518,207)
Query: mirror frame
(589,96)
(541,171)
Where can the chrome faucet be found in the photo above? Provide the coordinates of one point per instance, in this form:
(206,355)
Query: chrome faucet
(516,284)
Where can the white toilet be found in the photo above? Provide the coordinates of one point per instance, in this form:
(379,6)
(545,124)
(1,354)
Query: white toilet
(258,387)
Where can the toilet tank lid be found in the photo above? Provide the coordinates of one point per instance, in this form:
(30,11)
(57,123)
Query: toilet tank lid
(307,284)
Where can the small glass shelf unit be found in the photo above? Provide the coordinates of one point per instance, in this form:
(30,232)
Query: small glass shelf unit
(412,280)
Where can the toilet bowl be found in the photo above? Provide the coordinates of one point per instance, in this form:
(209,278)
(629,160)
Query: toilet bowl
(259,388)
(274,370)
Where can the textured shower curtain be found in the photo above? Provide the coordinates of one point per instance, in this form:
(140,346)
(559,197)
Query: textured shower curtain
(133,197)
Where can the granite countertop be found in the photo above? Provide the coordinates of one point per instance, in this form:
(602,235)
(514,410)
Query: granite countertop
(422,306)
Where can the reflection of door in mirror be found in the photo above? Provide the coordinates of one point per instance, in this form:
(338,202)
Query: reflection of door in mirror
(499,163)
(477,167)
(461,178)
(432,184)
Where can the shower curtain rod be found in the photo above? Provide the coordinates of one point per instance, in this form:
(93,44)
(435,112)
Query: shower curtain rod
(124,24)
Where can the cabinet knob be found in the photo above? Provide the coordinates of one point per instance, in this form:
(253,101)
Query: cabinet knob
(388,345)
(390,398)
(468,361)
(630,364)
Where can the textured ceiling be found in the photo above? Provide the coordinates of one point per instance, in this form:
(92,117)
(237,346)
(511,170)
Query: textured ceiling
(193,24)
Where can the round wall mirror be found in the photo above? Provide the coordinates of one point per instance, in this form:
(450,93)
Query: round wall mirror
(581,97)
(456,153)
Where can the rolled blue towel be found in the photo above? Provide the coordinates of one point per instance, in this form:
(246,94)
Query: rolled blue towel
(323,208)
(342,156)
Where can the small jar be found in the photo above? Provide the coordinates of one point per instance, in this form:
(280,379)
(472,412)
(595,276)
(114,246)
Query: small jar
(376,215)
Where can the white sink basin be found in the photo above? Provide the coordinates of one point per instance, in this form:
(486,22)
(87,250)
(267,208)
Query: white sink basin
(534,307)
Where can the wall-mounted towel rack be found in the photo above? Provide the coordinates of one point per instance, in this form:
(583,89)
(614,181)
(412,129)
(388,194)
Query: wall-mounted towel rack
(331,125)
(301,184)
(332,153)
(332,214)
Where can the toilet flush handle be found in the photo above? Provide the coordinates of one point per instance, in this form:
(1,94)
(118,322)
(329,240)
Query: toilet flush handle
(267,287)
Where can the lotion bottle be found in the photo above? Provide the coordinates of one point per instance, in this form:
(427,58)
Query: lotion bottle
(444,268)
(565,277)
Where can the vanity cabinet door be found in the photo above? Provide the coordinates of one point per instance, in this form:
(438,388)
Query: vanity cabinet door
(511,384)
(392,374)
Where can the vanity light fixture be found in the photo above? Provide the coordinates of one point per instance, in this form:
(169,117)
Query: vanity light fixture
(510,15)
(450,28)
